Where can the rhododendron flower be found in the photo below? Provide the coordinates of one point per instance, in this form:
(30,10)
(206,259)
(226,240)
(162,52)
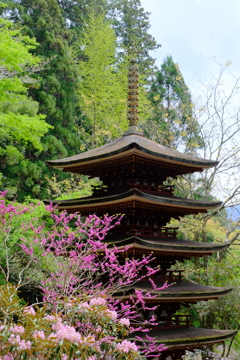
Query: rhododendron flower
(16,329)
(97,301)
(24,345)
(112,314)
(29,311)
(39,334)
(124,321)
(14,339)
(126,346)
(83,305)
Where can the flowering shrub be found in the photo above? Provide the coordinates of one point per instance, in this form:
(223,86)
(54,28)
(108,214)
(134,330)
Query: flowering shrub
(80,273)
(81,330)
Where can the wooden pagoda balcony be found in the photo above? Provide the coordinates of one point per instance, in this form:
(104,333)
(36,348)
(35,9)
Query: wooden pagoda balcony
(115,188)
(168,275)
(142,230)
(171,322)
(174,321)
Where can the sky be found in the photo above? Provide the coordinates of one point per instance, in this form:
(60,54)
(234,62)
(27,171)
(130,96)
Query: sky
(194,32)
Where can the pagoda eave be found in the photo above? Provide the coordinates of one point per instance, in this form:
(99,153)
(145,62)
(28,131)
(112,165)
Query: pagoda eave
(132,144)
(167,248)
(187,337)
(178,291)
(136,199)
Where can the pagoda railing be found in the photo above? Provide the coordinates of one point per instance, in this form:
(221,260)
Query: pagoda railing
(164,276)
(143,230)
(166,190)
(176,321)
(170,322)
(168,275)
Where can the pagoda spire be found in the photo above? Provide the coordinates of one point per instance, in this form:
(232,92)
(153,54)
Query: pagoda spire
(133,104)
(133,93)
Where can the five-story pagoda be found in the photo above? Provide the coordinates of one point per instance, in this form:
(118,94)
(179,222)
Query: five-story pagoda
(133,170)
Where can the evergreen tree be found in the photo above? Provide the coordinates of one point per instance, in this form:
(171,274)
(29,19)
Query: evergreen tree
(172,118)
(131,24)
(55,91)
(76,12)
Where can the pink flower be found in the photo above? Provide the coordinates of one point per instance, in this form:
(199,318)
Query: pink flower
(97,301)
(124,321)
(50,317)
(39,334)
(17,329)
(83,305)
(126,346)
(111,314)
(24,345)
(29,311)
(14,339)
(8,357)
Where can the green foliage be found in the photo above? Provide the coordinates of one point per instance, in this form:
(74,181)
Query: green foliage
(131,24)
(55,91)
(76,186)
(20,123)
(172,118)
(103,83)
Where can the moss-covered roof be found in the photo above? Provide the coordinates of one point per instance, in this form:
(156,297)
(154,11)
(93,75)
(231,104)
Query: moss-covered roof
(139,197)
(187,337)
(133,143)
(173,245)
(178,291)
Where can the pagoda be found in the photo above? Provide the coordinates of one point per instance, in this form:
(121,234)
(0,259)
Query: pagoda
(133,170)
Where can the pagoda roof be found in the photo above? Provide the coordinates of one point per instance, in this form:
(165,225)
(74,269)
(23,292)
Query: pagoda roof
(128,144)
(186,337)
(118,203)
(168,246)
(179,291)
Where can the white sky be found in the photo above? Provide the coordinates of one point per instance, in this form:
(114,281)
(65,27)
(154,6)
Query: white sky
(192,31)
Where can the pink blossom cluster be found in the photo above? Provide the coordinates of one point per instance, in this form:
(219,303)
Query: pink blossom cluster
(78,286)
(22,344)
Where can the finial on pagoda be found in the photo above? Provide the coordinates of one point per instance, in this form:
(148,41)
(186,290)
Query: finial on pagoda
(133,106)
(133,93)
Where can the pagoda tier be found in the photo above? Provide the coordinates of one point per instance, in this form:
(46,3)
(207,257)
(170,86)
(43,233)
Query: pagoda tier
(132,152)
(165,246)
(182,338)
(178,292)
(135,203)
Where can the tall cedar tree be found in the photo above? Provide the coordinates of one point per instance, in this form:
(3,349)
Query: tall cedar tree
(76,12)
(131,24)
(56,92)
(172,117)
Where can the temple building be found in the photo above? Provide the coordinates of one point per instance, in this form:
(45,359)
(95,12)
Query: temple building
(133,170)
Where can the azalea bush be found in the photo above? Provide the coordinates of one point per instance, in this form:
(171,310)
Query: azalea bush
(79,274)
(81,330)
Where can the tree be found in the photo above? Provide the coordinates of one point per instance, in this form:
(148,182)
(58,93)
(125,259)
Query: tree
(131,24)
(20,123)
(55,91)
(103,83)
(172,122)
